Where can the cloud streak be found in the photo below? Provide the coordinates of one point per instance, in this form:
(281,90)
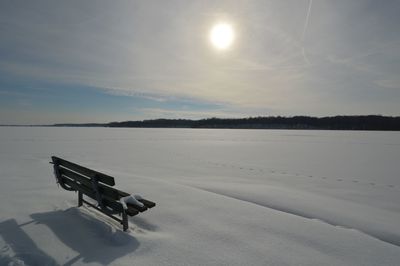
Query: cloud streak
(282,60)
(303,50)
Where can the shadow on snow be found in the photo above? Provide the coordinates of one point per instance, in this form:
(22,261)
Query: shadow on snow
(92,239)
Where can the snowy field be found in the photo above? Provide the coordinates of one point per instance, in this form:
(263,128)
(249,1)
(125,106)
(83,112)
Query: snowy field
(224,197)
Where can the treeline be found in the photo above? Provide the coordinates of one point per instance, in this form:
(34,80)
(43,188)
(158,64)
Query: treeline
(369,122)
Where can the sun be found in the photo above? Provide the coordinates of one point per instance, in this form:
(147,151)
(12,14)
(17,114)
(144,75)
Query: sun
(222,36)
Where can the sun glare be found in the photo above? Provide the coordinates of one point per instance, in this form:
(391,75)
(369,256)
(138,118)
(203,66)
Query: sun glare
(222,36)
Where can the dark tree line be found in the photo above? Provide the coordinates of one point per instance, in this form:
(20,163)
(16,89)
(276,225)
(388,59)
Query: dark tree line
(369,122)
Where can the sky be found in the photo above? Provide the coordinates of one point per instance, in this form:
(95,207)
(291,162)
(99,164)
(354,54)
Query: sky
(102,61)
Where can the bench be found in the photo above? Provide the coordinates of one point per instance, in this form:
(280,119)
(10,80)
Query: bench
(97,186)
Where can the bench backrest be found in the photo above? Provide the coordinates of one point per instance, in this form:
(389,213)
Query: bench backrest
(94,184)
(88,173)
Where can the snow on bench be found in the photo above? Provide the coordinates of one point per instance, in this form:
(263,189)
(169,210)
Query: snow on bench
(98,186)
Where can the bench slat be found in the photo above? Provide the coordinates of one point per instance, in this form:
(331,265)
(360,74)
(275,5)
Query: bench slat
(106,179)
(110,192)
(131,211)
(141,209)
(104,189)
(74,176)
(109,202)
(149,204)
(90,193)
(117,194)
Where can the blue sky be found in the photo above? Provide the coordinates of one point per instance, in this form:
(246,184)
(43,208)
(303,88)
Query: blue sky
(100,61)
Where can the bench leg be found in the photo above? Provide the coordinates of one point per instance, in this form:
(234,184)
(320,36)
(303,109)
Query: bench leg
(80,199)
(124,221)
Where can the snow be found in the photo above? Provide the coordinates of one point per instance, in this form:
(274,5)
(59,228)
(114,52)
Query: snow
(132,199)
(224,197)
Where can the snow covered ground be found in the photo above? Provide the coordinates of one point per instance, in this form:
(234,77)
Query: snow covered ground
(224,197)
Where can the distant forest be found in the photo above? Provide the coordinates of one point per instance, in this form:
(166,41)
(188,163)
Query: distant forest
(368,122)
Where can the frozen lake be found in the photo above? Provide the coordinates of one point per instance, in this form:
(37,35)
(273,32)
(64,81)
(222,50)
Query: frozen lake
(226,197)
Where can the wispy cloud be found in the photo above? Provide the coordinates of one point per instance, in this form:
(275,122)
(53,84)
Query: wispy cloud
(389,83)
(288,56)
(303,35)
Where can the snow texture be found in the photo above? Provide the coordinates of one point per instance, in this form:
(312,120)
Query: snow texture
(224,197)
(131,199)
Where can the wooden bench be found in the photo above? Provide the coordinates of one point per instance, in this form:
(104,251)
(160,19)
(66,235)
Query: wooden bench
(97,186)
